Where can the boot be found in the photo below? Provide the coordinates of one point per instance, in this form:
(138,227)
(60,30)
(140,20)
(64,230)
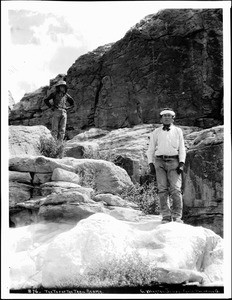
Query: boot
(166,219)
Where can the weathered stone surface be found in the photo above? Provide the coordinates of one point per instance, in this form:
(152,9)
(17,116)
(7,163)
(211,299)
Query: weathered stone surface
(203,188)
(62,186)
(172,58)
(67,255)
(126,147)
(104,176)
(124,213)
(208,137)
(25,140)
(68,206)
(63,175)
(36,164)
(23,177)
(21,216)
(19,192)
(114,200)
(40,178)
(69,212)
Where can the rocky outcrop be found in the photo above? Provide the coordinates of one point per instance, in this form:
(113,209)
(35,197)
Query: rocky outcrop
(27,139)
(203,191)
(173,58)
(102,251)
(126,147)
(86,162)
(58,190)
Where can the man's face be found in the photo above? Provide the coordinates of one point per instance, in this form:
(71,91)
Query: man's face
(167,119)
(62,88)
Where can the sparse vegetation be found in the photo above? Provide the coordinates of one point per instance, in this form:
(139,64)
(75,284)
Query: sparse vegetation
(127,270)
(87,178)
(49,147)
(145,196)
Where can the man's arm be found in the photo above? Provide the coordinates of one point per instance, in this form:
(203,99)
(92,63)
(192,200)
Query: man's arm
(46,100)
(70,101)
(182,153)
(151,147)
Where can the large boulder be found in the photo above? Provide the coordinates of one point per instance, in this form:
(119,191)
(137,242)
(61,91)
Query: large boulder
(26,139)
(203,187)
(103,251)
(172,58)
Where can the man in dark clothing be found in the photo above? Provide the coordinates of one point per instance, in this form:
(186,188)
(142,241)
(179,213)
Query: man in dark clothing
(62,101)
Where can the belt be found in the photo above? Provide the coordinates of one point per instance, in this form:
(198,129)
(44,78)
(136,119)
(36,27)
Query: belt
(166,156)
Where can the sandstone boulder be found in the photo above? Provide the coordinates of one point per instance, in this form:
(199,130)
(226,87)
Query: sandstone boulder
(26,139)
(62,175)
(19,192)
(58,187)
(104,176)
(203,187)
(23,177)
(102,251)
(113,200)
(36,164)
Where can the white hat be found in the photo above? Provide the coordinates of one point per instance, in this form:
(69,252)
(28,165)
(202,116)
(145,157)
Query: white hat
(167,111)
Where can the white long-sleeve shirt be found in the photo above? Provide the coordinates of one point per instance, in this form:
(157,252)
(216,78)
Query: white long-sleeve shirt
(164,142)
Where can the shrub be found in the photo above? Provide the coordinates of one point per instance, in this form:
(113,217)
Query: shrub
(127,270)
(49,147)
(145,196)
(87,178)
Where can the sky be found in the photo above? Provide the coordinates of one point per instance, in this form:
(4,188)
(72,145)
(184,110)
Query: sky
(44,38)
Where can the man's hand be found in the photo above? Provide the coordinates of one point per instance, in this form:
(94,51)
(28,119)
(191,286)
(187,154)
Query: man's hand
(152,168)
(180,168)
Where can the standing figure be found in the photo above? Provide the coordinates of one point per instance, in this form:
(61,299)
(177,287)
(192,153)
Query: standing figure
(166,157)
(62,101)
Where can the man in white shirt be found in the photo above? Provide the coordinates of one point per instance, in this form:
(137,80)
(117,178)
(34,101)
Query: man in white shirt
(166,157)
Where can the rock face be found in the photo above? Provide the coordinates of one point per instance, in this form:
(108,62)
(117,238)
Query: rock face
(203,191)
(57,190)
(103,251)
(126,147)
(173,58)
(34,177)
(26,139)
